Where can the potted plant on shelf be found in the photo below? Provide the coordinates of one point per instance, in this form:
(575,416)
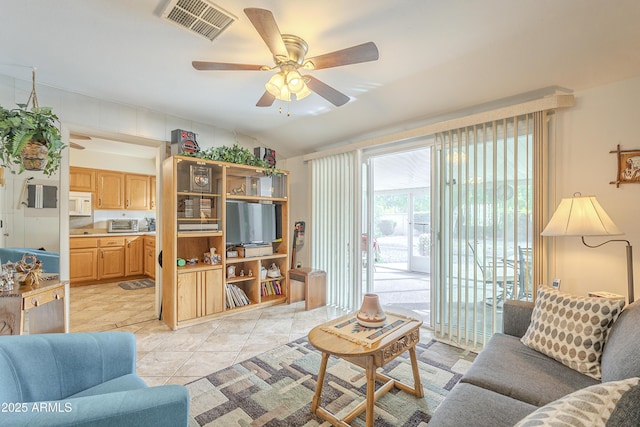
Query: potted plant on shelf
(235,154)
(30,139)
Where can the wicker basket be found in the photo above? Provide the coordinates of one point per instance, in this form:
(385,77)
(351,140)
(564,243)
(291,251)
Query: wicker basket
(34,156)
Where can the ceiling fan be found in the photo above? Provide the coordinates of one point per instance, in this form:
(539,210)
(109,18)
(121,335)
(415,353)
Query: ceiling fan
(289,56)
(77,137)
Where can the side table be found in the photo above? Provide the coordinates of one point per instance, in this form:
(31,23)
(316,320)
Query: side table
(370,358)
(44,307)
(309,285)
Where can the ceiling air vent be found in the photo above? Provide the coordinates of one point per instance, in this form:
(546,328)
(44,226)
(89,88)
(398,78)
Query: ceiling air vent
(201,17)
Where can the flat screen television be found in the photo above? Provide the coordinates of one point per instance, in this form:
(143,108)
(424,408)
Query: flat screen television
(250,223)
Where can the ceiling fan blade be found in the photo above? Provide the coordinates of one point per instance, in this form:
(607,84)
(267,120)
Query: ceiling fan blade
(79,137)
(265,24)
(266,100)
(204,66)
(352,55)
(327,92)
(76,146)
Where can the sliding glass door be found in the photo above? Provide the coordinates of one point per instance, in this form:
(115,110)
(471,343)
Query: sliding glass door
(420,235)
(396,235)
(484,223)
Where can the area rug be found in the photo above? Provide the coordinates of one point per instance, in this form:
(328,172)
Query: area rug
(132,285)
(276,388)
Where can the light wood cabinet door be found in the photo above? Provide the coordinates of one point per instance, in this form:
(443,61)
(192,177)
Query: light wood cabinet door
(134,255)
(137,195)
(150,257)
(82,179)
(110,190)
(200,294)
(187,295)
(213,294)
(83,264)
(152,193)
(111,262)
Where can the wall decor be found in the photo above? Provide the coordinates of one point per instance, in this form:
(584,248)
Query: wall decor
(628,166)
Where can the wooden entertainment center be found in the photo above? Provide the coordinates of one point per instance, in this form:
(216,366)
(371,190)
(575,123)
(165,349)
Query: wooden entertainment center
(194,206)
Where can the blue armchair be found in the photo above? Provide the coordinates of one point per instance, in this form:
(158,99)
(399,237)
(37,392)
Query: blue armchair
(82,379)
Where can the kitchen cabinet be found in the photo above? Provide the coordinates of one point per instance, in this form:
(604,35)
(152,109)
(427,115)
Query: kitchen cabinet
(111,257)
(82,179)
(114,189)
(83,259)
(107,258)
(152,193)
(134,255)
(137,192)
(110,190)
(200,293)
(150,256)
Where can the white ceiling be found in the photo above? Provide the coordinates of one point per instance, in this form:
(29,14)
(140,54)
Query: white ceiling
(436,57)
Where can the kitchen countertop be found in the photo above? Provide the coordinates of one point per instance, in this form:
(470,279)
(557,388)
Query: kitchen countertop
(103,233)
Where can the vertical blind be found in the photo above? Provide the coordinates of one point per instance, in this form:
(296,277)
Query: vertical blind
(484,225)
(336,203)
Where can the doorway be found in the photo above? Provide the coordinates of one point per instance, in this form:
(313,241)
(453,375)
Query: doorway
(125,154)
(398,218)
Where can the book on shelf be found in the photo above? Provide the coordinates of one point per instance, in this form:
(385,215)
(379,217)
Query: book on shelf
(271,287)
(236,297)
(229,299)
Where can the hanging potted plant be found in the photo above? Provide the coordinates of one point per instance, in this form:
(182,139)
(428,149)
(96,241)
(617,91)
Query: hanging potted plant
(30,138)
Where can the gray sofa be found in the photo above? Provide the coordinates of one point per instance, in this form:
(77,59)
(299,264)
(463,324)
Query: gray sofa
(509,380)
(82,379)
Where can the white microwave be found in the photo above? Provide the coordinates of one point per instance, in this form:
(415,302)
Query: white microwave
(79,203)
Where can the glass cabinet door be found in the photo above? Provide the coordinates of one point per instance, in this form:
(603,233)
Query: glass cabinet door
(199,196)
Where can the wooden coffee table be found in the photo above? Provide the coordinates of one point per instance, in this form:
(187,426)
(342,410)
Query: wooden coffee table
(370,358)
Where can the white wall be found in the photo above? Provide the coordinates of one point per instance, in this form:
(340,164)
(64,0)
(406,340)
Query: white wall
(300,205)
(602,118)
(109,161)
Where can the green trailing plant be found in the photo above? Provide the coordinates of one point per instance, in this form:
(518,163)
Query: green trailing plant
(234,154)
(20,126)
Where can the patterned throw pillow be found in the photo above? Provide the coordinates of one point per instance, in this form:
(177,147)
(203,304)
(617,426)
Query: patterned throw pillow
(589,407)
(571,329)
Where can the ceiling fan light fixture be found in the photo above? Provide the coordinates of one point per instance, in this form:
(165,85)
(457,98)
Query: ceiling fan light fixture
(284,94)
(303,93)
(275,84)
(295,83)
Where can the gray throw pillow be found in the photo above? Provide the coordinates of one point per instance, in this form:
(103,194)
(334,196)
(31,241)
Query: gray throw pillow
(571,329)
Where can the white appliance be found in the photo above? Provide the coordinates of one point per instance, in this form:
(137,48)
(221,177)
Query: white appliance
(79,203)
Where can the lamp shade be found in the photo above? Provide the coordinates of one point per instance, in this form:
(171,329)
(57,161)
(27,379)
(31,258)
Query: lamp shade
(580,216)
(275,84)
(303,93)
(294,81)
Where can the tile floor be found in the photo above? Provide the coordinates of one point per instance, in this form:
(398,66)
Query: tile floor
(182,356)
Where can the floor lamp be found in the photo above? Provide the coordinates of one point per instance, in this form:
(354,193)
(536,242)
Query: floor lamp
(583,216)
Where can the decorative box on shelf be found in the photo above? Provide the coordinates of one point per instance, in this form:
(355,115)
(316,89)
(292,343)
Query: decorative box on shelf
(249,251)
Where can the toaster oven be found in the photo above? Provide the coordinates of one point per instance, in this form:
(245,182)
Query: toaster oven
(122,226)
